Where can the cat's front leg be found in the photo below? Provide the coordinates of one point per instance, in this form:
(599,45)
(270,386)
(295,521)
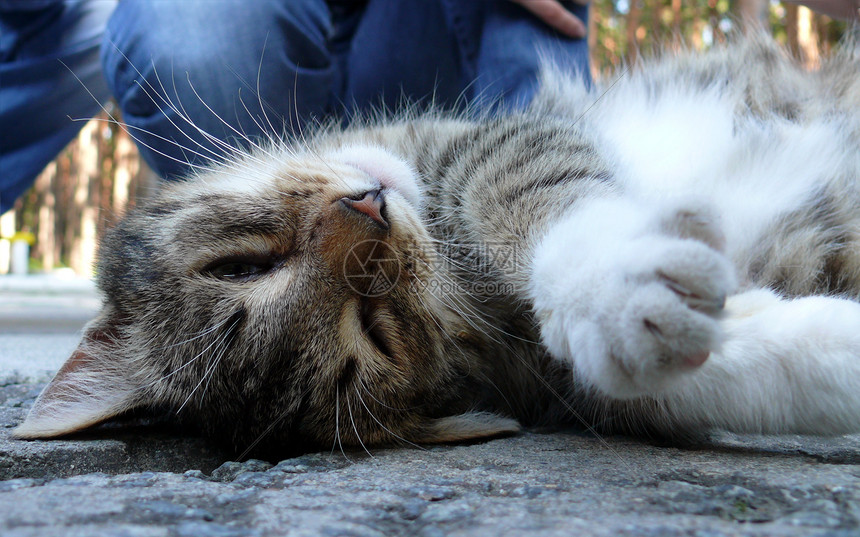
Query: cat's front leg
(632,294)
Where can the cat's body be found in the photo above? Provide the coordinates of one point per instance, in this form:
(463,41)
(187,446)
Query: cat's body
(630,260)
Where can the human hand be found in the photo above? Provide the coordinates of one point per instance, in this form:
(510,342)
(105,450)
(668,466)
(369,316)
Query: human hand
(555,15)
(839,9)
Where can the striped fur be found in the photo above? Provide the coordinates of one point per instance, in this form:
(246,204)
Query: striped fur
(632,260)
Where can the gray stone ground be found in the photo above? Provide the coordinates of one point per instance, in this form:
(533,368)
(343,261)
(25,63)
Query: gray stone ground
(155,482)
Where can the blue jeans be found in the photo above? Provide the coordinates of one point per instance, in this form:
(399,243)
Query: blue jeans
(38,93)
(194,78)
(186,71)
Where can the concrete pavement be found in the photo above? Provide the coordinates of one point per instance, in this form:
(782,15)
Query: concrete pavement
(40,322)
(142,480)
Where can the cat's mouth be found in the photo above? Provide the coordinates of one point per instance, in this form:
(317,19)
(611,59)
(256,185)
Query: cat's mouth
(373,326)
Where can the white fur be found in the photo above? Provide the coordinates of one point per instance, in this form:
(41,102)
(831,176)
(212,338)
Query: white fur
(384,167)
(628,289)
(605,271)
(691,145)
(785,365)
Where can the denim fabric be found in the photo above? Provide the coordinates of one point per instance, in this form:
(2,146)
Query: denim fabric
(27,5)
(195,78)
(311,58)
(49,73)
(185,70)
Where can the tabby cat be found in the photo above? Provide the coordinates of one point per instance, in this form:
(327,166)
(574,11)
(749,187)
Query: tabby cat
(677,253)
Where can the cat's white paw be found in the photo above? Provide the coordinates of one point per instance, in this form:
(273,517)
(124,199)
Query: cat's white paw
(635,315)
(693,219)
(663,317)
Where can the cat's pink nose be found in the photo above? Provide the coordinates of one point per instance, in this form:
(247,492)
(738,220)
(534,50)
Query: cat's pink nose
(370,203)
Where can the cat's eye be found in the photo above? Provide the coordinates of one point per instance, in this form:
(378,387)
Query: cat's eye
(240,268)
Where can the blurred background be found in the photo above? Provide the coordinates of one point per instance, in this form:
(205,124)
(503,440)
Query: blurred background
(56,226)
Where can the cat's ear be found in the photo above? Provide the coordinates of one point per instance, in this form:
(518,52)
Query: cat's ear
(90,387)
(468,426)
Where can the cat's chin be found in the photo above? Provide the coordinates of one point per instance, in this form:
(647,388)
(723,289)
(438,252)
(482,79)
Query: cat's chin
(391,171)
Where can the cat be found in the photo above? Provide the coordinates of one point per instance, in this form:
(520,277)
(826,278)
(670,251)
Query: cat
(676,253)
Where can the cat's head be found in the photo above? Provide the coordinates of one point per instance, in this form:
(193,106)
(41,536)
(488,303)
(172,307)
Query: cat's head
(279,301)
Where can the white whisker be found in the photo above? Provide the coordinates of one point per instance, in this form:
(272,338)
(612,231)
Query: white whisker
(221,349)
(337,424)
(386,429)
(354,428)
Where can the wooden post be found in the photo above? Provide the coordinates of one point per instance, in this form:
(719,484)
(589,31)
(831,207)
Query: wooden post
(791,29)
(807,38)
(7,229)
(593,17)
(631,30)
(45,239)
(86,201)
(752,14)
(125,169)
(676,25)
